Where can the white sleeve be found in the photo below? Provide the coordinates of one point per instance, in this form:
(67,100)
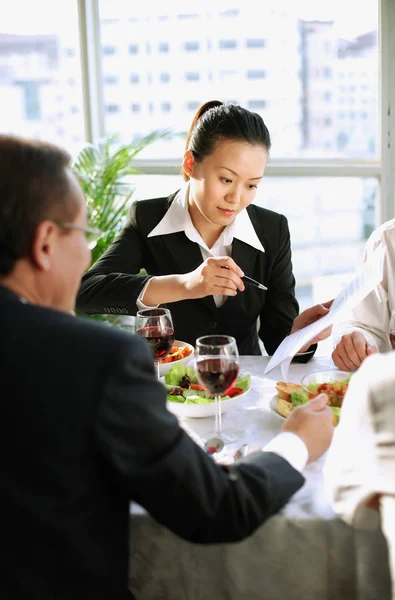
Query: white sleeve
(140,305)
(291,448)
(359,465)
(371,316)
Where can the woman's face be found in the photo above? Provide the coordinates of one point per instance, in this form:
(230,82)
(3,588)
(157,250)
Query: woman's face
(224,183)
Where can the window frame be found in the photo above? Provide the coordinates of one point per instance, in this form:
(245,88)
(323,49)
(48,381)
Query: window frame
(383,169)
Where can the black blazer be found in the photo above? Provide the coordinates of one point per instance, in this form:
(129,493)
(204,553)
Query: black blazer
(84,429)
(113,284)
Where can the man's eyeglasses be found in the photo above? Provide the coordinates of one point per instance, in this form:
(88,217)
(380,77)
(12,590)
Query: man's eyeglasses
(92,234)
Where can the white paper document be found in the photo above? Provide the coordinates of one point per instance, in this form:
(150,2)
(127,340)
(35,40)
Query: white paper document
(364,281)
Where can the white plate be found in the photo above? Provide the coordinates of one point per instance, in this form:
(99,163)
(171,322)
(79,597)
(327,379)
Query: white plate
(199,411)
(273,406)
(163,368)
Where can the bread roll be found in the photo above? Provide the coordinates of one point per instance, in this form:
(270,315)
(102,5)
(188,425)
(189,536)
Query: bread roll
(284,390)
(284,407)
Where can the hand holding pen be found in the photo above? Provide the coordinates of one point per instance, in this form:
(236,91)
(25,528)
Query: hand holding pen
(218,276)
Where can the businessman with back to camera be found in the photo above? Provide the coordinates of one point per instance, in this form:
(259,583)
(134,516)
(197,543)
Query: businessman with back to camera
(84,427)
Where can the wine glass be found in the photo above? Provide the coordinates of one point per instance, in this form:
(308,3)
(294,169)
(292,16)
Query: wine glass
(155,325)
(392,330)
(217,367)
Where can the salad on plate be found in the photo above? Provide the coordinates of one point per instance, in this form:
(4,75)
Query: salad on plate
(183,386)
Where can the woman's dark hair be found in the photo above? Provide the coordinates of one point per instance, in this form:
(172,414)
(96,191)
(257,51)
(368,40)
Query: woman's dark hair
(215,121)
(33,187)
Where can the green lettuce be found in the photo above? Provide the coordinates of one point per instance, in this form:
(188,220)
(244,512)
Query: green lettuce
(243,383)
(179,399)
(200,393)
(177,372)
(298,398)
(174,376)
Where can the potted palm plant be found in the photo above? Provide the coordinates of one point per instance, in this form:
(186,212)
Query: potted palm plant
(104,171)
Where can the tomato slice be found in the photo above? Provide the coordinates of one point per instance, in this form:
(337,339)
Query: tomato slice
(235,391)
(322,387)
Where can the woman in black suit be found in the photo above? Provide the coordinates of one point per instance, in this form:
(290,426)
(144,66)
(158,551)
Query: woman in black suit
(197,244)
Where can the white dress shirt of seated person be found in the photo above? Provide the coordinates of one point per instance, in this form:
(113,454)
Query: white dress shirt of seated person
(360,465)
(367,330)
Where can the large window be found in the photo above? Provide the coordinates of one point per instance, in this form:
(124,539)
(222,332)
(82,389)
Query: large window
(310,68)
(311,72)
(40,72)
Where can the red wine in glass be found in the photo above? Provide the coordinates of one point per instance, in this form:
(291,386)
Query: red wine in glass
(217,375)
(217,367)
(161,340)
(155,325)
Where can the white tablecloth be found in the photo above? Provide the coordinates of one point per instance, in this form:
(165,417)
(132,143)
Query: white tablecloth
(254,422)
(304,552)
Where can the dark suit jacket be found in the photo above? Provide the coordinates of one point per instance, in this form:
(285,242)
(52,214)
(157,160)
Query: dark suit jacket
(84,429)
(113,284)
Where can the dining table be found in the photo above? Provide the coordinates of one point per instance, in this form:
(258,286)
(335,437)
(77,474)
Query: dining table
(303,552)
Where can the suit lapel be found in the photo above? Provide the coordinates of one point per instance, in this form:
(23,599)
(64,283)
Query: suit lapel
(186,257)
(244,256)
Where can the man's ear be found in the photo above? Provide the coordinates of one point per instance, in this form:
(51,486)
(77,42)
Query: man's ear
(188,163)
(43,244)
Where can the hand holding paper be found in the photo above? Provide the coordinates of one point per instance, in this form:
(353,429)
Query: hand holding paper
(364,281)
(310,315)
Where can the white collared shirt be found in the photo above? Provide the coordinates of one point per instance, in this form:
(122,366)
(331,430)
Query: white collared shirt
(177,218)
(371,316)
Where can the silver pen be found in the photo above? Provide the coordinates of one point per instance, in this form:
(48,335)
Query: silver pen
(251,281)
(255,283)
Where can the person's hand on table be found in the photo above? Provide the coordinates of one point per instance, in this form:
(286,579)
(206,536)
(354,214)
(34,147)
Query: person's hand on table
(310,315)
(351,351)
(215,276)
(313,423)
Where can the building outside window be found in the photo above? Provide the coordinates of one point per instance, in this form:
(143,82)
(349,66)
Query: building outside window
(290,68)
(227,44)
(294,66)
(40,72)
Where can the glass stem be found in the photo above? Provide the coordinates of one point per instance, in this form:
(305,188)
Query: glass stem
(157,369)
(218,415)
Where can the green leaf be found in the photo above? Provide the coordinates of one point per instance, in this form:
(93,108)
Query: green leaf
(177,372)
(298,398)
(196,393)
(179,399)
(243,382)
(103,172)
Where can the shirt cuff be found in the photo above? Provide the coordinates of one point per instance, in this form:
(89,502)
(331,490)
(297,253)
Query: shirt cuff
(140,305)
(291,448)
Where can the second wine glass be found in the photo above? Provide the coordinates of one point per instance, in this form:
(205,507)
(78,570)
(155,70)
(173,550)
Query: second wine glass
(155,325)
(217,368)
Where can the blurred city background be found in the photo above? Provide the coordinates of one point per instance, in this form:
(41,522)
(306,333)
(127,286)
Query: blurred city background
(311,71)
